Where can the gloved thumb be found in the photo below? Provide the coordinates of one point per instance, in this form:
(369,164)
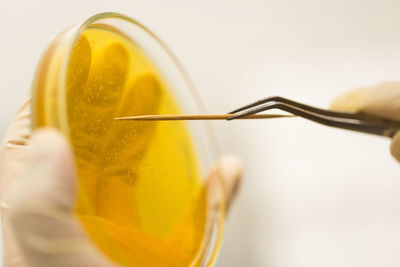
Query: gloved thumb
(41,207)
(381,99)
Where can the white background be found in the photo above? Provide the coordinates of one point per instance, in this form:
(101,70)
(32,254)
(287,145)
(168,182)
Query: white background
(312,196)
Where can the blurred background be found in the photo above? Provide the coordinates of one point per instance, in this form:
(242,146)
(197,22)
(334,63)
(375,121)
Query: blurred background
(312,195)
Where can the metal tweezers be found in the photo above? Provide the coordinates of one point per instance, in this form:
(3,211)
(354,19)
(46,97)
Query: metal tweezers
(360,122)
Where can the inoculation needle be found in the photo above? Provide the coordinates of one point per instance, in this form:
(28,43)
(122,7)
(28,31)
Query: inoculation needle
(172,117)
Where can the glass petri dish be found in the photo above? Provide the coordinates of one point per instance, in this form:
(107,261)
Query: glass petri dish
(143,195)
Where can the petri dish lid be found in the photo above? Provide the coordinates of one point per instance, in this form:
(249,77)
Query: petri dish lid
(144,198)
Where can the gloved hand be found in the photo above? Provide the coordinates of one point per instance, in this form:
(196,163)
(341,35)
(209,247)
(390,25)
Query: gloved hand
(38,184)
(382,100)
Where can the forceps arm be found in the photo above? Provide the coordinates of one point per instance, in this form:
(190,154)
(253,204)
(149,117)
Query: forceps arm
(360,122)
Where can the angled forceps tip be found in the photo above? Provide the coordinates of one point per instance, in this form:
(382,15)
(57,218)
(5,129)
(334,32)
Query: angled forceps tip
(360,122)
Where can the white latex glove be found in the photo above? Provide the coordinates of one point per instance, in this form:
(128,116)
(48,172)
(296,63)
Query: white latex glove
(382,99)
(38,185)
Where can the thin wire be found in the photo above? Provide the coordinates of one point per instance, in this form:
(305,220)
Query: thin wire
(198,117)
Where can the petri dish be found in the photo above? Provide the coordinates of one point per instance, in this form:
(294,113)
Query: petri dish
(143,196)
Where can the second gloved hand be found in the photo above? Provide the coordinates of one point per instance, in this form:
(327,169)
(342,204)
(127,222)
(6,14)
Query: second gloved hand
(381,99)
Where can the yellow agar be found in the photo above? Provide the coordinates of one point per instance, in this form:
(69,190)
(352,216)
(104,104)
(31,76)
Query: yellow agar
(140,198)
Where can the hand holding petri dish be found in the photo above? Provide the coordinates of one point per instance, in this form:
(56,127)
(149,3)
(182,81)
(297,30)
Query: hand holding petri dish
(142,194)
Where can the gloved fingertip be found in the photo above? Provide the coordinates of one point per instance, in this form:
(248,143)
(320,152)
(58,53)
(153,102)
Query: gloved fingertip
(48,174)
(41,207)
(350,101)
(395,146)
(231,167)
(231,170)
(47,143)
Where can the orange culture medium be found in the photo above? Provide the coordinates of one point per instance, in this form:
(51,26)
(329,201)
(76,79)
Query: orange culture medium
(140,195)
